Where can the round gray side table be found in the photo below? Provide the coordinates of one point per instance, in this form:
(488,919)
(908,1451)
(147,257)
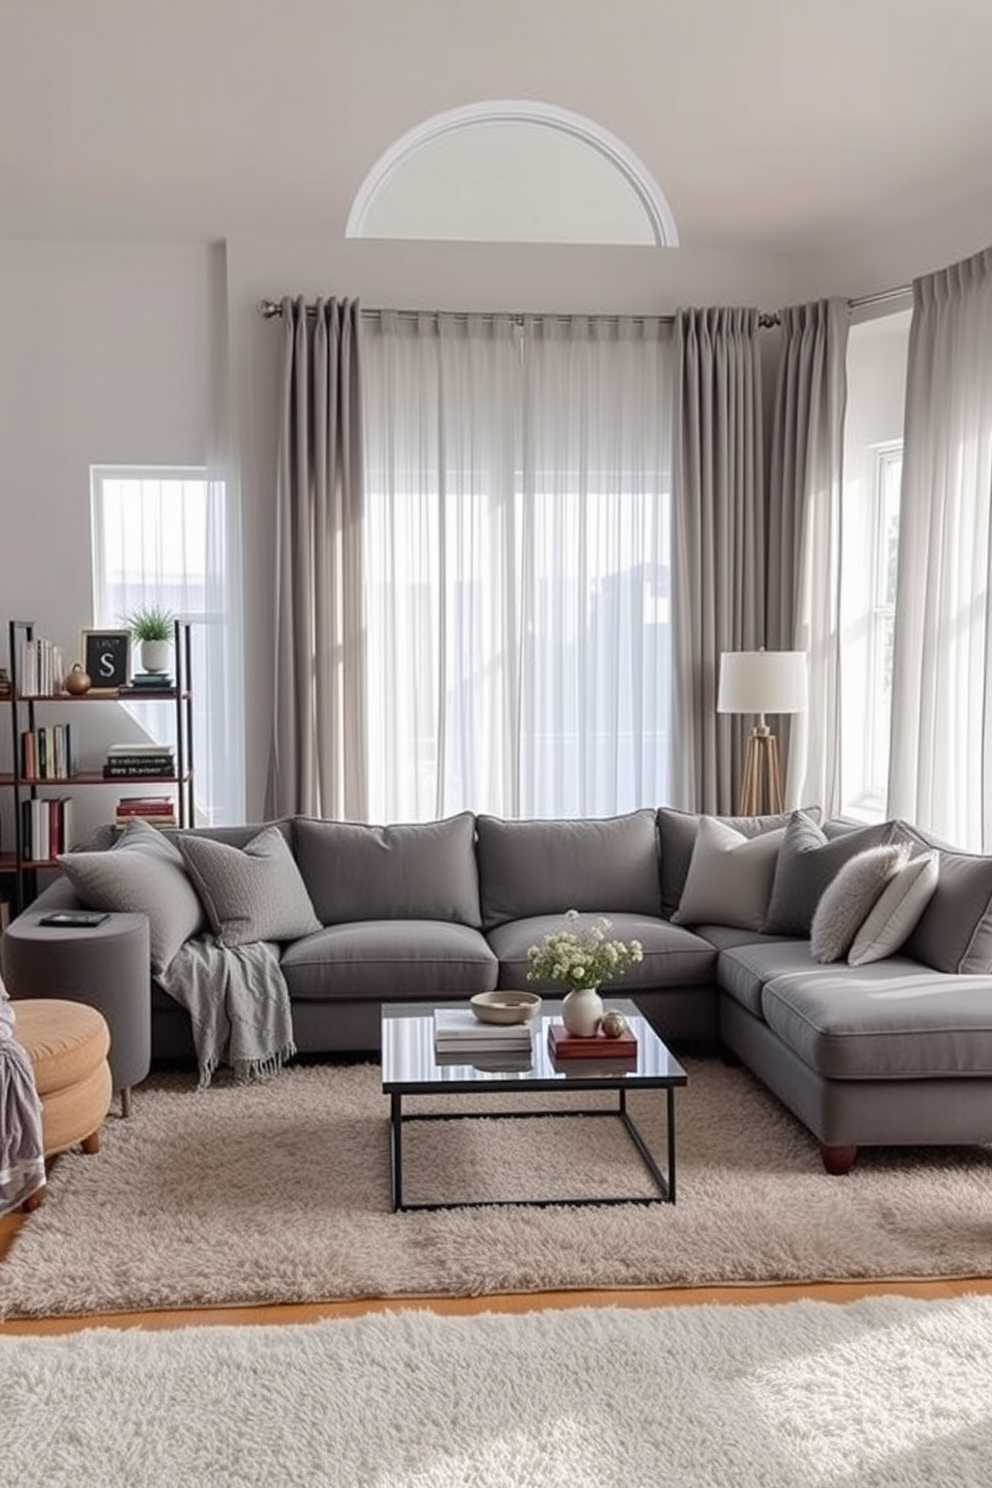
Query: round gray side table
(107,967)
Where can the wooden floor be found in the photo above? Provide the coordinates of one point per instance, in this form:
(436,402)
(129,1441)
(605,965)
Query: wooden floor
(522,1302)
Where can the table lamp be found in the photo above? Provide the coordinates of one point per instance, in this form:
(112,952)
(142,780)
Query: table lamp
(761,682)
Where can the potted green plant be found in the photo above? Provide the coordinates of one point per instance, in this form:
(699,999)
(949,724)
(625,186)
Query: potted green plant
(154,627)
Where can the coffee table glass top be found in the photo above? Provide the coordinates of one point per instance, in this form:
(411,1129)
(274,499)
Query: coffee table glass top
(409,1059)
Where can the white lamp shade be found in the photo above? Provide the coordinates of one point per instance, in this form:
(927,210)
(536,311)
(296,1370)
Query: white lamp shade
(762,682)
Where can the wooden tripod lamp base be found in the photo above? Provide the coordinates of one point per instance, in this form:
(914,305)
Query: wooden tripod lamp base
(761,783)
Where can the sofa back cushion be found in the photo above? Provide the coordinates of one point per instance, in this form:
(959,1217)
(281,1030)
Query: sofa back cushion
(416,871)
(954,933)
(541,867)
(677,833)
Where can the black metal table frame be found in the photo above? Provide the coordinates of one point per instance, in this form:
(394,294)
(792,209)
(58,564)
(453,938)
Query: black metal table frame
(665,1183)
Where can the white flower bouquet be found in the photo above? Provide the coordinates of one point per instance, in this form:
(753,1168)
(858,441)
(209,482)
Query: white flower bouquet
(581,957)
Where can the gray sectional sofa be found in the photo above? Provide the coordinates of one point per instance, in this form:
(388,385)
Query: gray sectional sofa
(733,914)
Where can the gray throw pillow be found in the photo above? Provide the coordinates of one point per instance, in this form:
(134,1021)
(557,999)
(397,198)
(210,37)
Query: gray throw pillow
(897,910)
(250,893)
(729,878)
(142,873)
(849,898)
(677,832)
(954,933)
(807,862)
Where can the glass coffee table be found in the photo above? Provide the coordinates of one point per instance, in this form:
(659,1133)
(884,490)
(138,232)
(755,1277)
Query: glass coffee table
(410,1066)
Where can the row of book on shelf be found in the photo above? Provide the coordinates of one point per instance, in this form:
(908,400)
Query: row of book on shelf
(49,753)
(41,670)
(46,827)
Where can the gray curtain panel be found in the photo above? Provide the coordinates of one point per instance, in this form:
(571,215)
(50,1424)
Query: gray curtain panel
(940,762)
(804,536)
(317,759)
(718,544)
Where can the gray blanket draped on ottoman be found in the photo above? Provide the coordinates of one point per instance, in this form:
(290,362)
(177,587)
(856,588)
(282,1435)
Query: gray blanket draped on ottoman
(22,1153)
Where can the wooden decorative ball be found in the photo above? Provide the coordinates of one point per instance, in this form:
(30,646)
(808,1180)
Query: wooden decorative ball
(613,1024)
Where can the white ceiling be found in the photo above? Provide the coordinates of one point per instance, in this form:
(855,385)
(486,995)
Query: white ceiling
(786,126)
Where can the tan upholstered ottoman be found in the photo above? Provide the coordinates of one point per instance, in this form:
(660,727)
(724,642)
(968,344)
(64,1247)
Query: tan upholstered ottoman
(67,1043)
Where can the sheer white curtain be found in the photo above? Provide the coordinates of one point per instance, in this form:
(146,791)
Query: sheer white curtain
(517,564)
(941,738)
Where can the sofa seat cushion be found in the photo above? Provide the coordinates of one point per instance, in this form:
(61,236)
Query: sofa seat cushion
(743,969)
(545,867)
(889,1020)
(388,960)
(673,957)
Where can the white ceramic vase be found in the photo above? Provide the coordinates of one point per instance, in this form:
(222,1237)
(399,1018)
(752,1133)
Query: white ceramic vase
(581,1011)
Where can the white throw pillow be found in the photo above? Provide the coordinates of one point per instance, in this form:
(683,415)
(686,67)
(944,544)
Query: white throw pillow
(729,881)
(849,898)
(897,912)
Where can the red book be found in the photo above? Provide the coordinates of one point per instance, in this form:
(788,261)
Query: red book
(564,1045)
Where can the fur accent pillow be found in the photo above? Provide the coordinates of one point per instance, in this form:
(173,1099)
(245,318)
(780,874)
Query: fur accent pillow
(847,901)
(730,877)
(897,912)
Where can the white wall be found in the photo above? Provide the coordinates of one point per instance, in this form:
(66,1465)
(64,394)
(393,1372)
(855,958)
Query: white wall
(104,359)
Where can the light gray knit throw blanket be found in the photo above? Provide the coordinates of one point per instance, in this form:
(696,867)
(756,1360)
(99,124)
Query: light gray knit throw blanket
(238,1004)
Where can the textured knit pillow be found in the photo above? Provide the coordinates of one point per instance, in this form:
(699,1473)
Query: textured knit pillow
(808,861)
(729,878)
(849,898)
(897,912)
(251,893)
(142,873)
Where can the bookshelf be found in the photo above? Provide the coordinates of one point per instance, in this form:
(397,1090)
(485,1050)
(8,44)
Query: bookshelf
(46,728)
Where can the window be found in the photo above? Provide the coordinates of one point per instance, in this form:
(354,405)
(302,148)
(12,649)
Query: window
(517,555)
(164,536)
(876,371)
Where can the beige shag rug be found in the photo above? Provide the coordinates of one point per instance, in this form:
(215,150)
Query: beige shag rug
(882,1393)
(279,1192)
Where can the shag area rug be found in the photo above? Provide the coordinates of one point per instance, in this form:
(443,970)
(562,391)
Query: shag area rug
(279,1192)
(886,1391)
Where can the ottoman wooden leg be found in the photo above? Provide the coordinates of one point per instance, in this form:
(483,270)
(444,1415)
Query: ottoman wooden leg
(91,1143)
(33,1200)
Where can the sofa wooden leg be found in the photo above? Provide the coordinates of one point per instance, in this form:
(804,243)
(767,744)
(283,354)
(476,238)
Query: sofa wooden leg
(91,1143)
(838,1160)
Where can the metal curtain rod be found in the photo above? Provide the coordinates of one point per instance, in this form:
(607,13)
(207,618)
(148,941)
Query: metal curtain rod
(270,308)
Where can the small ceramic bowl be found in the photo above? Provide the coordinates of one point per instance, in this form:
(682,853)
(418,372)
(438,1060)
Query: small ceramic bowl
(505,1007)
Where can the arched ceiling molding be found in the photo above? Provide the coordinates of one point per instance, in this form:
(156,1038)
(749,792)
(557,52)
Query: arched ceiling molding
(649,216)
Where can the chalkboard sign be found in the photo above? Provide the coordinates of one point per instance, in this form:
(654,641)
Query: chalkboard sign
(107,658)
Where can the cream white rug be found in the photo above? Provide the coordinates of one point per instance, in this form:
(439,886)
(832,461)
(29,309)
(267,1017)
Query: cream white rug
(881,1392)
(280,1192)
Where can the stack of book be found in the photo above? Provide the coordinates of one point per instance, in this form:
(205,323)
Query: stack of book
(149,682)
(157,811)
(5,687)
(565,1045)
(458,1031)
(125,760)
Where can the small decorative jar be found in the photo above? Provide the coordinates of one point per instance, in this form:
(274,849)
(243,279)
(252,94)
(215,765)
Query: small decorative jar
(77,681)
(581,1011)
